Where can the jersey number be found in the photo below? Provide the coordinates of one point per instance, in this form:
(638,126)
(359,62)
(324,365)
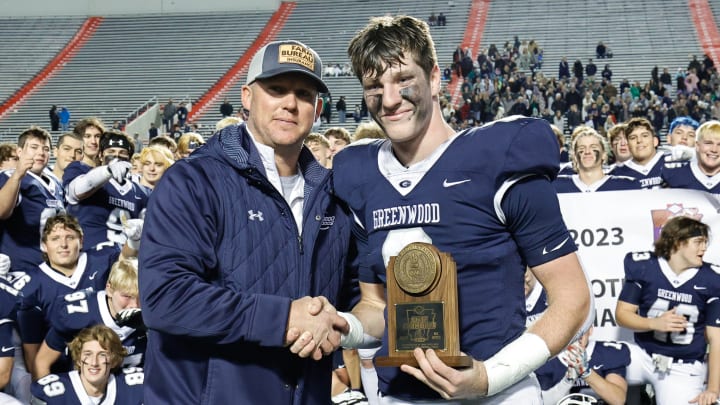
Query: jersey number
(690,312)
(134,376)
(78,303)
(51,385)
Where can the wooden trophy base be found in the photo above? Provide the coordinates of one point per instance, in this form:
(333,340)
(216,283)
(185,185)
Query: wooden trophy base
(397,361)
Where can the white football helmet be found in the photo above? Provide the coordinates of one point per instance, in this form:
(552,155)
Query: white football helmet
(577,399)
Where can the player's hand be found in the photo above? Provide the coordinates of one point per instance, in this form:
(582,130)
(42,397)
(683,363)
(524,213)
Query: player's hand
(131,317)
(450,383)
(119,169)
(669,321)
(576,358)
(132,228)
(705,398)
(317,326)
(24,163)
(4,264)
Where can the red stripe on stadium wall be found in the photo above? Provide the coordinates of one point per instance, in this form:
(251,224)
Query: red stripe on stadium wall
(705,28)
(473,36)
(86,31)
(268,34)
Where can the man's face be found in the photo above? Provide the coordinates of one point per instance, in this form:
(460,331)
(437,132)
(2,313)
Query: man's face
(38,150)
(691,251)
(642,145)
(336,145)
(120,300)
(320,151)
(401,99)
(282,109)
(62,246)
(94,364)
(112,153)
(152,169)
(91,142)
(68,151)
(683,135)
(589,153)
(11,162)
(708,153)
(620,148)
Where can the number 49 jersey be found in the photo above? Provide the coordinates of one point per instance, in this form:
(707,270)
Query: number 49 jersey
(124,388)
(651,284)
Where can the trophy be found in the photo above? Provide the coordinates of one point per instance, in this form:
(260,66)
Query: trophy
(422,307)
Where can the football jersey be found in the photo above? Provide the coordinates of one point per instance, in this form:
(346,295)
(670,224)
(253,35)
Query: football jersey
(123,388)
(689,175)
(603,357)
(40,197)
(535,304)
(573,184)
(651,284)
(462,199)
(100,214)
(82,309)
(46,284)
(648,175)
(8,301)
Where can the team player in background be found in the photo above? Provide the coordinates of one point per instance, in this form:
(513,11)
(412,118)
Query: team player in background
(90,130)
(97,379)
(671,300)
(29,195)
(498,195)
(647,162)
(681,139)
(703,172)
(101,197)
(69,149)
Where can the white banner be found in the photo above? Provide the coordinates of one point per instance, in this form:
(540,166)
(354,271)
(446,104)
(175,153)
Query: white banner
(607,225)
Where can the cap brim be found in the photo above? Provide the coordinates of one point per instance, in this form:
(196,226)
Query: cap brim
(276,72)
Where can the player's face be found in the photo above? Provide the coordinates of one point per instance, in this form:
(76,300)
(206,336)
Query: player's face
(120,300)
(152,170)
(91,142)
(37,150)
(110,154)
(708,153)
(69,151)
(10,163)
(620,148)
(62,247)
(282,110)
(642,145)
(336,145)
(94,364)
(589,153)
(691,251)
(683,135)
(401,99)
(320,151)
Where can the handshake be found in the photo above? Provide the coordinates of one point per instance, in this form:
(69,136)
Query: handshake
(315,328)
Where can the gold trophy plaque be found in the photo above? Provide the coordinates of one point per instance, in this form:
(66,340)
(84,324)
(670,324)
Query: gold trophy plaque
(422,307)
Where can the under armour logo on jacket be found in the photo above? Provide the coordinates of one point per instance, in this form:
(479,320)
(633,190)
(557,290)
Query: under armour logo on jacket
(118,142)
(252,215)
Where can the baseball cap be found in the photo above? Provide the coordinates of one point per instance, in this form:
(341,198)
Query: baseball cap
(281,57)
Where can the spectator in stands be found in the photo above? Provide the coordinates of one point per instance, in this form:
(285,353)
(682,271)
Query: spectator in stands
(320,148)
(91,130)
(341,108)
(8,156)
(182,114)
(153,131)
(563,69)
(117,125)
(168,115)
(154,161)
(64,118)
(574,117)
(442,19)
(327,107)
(600,50)
(139,144)
(54,118)
(69,149)
(691,81)
(666,79)
(176,132)
(578,70)
(590,69)
(226,109)
(432,20)
(607,73)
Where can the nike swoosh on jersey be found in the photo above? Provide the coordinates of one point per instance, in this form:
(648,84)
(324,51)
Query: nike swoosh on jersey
(598,367)
(447,183)
(545,251)
(7,349)
(699,288)
(93,276)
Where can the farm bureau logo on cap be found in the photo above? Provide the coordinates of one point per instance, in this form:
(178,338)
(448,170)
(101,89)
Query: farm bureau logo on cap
(282,57)
(296,54)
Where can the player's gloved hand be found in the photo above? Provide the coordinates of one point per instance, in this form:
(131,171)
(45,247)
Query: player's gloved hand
(131,317)
(4,264)
(577,359)
(119,170)
(132,228)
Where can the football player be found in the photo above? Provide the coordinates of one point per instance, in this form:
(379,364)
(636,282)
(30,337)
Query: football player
(483,196)
(619,146)
(647,162)
(102,196)
(154,161)
(702,173)
(670,299)
(589,153)
(29,194)
(97,379)
(68,150)
(82,309)
(91,130)
(681,138)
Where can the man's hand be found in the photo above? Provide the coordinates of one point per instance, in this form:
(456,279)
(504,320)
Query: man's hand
(450,383)
(132,228)
(669,321)
(705,398)
(24,163)
(119,169)
(576,358)
(314,327)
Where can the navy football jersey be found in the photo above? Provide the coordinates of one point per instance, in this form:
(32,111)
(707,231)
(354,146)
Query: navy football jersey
(651,284)
(82,309)
(603,357)
(573,184)
(124,388)
(689,175)
(649,175)
(8,301)
(40,197)
(535,304)
(100,214)
(46,284)
(473,199)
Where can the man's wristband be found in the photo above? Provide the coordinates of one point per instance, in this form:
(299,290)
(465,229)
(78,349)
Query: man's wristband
(515,361)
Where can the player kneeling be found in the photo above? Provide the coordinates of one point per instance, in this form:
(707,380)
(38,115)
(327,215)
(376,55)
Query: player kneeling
(98,354)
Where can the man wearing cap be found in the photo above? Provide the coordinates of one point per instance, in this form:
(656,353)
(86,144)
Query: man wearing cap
(237,239)
(103,197)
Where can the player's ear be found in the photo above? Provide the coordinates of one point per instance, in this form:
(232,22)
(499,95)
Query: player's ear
(435,82)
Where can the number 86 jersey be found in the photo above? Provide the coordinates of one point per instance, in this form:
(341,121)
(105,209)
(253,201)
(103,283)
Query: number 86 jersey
(123,388)
(651,284)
